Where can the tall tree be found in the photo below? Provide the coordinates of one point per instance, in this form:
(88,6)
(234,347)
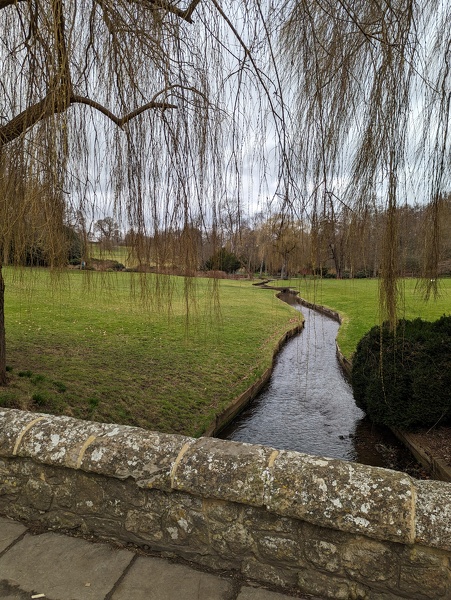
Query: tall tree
(108,232)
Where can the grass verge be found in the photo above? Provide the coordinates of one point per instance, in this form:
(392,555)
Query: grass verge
(357,302)
(89,345)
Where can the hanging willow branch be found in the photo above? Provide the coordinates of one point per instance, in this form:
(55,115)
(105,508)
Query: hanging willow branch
(147,112)
(372,98)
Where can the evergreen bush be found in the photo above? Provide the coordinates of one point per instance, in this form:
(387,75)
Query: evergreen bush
(402,378)
(223,260)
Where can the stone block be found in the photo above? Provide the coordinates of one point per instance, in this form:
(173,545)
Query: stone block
(220,511)
(425,574)
(280,550)
(269,573)
(13,424)
(224,470)
(433,514)
(145,526)
(57,441)
(328,586)
(146,456)
(343,495)
(267,522)
(323,554)
(61,520)
(367,560)
(236,539)
(38,494)
(257,593)
(185,524)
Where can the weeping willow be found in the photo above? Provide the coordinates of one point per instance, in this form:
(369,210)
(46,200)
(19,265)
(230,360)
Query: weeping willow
(172,116)
(371,88)
(141,110)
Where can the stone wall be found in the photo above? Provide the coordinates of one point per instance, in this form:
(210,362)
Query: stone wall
(327,527)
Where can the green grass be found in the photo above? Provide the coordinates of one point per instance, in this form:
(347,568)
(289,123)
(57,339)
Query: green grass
(121,254)
(86,345)
(357,302)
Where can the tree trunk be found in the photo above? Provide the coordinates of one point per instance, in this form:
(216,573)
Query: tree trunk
(2,331)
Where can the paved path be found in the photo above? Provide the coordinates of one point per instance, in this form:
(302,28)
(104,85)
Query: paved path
(57,567)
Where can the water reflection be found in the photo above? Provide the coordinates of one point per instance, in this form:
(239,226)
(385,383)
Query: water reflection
(308,405)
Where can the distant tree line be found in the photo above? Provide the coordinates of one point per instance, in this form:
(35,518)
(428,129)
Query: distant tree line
(339,245)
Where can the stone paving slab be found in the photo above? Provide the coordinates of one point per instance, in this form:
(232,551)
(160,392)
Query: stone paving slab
(12,591)
(158,579)
(9,532)
(67,568)
(63,568)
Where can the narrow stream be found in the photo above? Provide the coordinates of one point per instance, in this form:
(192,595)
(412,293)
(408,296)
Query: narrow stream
(308,404)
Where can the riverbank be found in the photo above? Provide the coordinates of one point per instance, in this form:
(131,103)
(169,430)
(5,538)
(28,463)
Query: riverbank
(88,345)
(357,301)
(431,447)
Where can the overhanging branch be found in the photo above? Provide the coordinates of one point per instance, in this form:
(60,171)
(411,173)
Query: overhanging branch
(182,14)
(121,121)
(53,104)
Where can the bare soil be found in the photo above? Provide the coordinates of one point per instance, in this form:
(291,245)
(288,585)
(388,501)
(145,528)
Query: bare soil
(436,442)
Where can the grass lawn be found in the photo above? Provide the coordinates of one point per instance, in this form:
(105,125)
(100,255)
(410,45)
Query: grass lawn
(122,254)
(357,302)
(86,345)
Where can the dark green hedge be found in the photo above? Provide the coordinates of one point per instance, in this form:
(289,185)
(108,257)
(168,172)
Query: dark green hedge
(403,378)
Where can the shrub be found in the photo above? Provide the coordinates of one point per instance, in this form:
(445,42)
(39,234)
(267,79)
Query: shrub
(223,260)
(403,378)
(362,274)
(40,399)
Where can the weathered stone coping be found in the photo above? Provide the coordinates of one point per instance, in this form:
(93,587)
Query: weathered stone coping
(348,497)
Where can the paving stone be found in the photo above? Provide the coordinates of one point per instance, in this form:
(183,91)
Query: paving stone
(63,567)
(157,579)
(11,591)
(252,593)
(9,531)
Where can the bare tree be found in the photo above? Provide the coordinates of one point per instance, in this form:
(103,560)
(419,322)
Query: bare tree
(108,231)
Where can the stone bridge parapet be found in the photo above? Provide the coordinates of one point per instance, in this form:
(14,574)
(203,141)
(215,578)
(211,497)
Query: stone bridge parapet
(318,525)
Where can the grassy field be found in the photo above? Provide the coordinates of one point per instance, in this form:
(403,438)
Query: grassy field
(122,254)
(357,302)
(88,345)
(85,344)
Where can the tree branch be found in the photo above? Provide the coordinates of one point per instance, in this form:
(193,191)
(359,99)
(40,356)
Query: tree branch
(186,14)
(183,14)
(30,116)
(120,121)
(53,104)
